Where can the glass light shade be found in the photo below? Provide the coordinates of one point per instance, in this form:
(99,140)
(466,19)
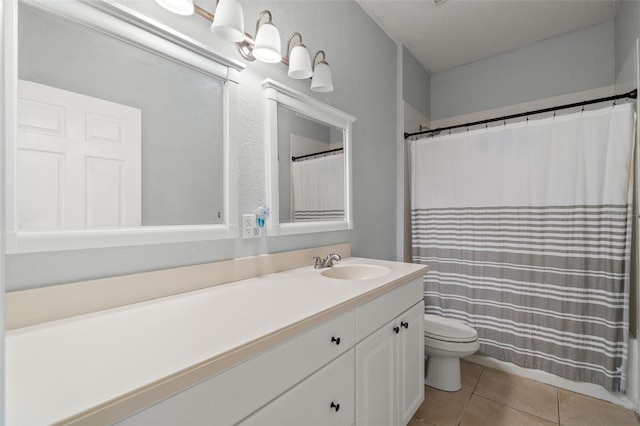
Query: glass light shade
(267,47)
(300,62)
(228,22)
(322,81)
(180,7)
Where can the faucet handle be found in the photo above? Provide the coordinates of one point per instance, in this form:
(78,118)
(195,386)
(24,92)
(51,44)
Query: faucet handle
(333,257)
(319,262)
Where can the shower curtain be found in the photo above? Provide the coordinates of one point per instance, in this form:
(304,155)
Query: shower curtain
(526,229)
(317,188)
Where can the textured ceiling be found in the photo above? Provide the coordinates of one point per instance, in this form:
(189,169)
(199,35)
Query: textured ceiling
(458,32)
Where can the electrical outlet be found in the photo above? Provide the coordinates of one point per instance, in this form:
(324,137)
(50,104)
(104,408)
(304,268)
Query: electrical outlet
(249,227)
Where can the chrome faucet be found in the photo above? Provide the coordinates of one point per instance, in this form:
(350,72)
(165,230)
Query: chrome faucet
(328,262)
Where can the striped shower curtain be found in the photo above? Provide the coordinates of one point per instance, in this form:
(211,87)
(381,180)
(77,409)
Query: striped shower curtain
(317,188)
(526,229)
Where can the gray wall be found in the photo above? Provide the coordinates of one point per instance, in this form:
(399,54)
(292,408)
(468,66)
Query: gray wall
(416,84)
(570,63)
(68,56)
(361,57)
(627,30)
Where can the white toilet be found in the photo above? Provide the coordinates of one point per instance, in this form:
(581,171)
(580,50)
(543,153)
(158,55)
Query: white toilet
(445,342)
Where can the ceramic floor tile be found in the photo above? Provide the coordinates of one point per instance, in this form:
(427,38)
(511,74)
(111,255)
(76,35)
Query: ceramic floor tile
(484,412)
(415,421)
(469,374)
(581,410)
(522,394)
(443,408)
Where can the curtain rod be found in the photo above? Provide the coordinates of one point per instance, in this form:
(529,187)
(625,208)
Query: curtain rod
(316,153)
(632,95)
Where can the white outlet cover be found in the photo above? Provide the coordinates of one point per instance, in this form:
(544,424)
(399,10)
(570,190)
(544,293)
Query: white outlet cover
(249,226)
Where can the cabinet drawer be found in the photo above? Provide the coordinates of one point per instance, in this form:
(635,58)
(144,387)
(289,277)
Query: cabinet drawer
(373,315)
(324,399)
(235,393)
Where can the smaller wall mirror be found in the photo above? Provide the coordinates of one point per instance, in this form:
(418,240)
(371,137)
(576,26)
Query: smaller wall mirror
(308,163)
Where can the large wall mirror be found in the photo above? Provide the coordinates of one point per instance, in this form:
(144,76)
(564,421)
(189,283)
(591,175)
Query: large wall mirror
(122,131)
(308,163)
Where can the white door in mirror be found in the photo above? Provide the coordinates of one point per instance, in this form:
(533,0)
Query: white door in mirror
(78,161)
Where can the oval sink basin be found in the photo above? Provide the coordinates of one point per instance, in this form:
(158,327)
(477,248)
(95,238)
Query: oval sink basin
(355,272)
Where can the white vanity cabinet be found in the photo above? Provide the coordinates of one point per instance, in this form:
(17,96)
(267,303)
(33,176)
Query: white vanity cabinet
(296,347)
(365,367)
(324,399)
(390,361)
(235,393)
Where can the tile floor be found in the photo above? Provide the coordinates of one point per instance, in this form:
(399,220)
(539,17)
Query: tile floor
(493,398)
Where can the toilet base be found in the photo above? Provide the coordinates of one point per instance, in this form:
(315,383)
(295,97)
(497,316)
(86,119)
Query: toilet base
(443,373)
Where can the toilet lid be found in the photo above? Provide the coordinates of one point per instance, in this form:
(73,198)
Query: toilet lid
(441,328)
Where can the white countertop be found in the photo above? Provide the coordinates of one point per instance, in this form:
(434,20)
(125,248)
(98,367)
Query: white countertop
(59,369)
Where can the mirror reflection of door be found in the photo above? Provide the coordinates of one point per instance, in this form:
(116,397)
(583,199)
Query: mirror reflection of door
(78,161)
(181,108)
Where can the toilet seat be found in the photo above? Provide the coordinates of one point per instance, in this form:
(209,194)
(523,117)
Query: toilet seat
(448,330)
(445,342)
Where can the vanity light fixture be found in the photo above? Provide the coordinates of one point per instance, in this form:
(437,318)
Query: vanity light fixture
(180,7)
(321,81)
(228,22)
(299,60)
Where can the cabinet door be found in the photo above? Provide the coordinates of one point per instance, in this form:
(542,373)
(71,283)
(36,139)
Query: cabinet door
(326,398)
(411,361)
(376,378)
